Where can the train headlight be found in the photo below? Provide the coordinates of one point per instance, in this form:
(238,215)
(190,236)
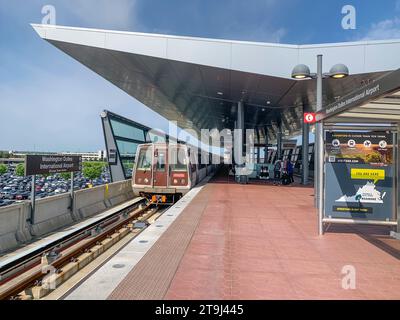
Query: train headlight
(183,181)
(175,181)
(146,180)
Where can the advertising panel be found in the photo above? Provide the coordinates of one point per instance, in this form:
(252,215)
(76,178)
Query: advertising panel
(359,175)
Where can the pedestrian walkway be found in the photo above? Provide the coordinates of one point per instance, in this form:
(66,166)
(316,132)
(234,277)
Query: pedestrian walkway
(259,241)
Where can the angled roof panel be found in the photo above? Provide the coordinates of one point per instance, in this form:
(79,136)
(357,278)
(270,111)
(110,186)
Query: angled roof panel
(196,81)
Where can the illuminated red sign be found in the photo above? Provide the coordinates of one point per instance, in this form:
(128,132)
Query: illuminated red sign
(309,117)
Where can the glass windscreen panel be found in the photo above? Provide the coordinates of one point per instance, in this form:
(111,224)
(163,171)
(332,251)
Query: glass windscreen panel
(154,137)
(144,159)
(127,149)
(126,131)
(128,167)
(161,160)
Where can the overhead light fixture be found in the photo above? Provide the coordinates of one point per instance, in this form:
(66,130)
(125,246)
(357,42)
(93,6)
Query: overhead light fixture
(220,93)
(301,71)
(268,102)
(263,109)
(339,71)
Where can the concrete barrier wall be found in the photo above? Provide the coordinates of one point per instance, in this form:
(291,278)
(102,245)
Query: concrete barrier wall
(14,228)
(51,214)
(55,212)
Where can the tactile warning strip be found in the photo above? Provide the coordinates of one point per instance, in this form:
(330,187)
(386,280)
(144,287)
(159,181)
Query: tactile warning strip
(151,277)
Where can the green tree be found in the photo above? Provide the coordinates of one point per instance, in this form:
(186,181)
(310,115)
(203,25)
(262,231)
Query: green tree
(3,169)
(65,175)
(92,170)
(20,170)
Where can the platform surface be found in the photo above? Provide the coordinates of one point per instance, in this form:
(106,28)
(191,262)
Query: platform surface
(260,242)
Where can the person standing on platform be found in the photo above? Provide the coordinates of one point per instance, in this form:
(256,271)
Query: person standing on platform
(277,171)
(289,169)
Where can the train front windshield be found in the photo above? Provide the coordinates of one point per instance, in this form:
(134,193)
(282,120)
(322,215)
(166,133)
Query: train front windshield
(144,159)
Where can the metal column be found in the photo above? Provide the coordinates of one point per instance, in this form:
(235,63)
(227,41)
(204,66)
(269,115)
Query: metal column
(279,141)
(240,143)
(266,144)
(397,159)
(33,199)
(304,155)
(239,134)
(319,152)
(72,191)
(258,145)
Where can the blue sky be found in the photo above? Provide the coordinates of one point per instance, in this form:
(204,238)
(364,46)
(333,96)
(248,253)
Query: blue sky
(50,102)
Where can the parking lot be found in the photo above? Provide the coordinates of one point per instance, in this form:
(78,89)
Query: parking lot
(14,188)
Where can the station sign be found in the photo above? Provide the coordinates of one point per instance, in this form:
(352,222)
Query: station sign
(51,164)
(112,156)
(372,91)
(309,117)
(360,173)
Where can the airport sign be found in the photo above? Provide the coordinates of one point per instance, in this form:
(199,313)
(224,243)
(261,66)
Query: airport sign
(376,89)
(51,164)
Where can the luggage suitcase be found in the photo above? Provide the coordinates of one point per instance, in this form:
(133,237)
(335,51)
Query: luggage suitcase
(285,179)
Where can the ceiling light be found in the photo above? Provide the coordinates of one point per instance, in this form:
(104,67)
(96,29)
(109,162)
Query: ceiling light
(220,93)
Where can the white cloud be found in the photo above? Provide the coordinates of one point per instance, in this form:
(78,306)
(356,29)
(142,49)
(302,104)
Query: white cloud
(397,7)
(386,29)
(117,14)
(278,35)
(61,112)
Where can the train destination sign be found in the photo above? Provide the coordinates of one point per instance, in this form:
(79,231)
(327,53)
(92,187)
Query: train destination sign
(50,164)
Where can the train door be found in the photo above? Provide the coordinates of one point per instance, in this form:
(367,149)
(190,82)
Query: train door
(143,172)
(193,167)
(160,166)
(178,167)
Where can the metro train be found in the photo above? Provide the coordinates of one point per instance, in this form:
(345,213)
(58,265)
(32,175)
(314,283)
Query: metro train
(164,172)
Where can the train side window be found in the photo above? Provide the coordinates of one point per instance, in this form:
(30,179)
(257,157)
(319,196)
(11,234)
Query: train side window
(178,160)
(161,161)
(144,160)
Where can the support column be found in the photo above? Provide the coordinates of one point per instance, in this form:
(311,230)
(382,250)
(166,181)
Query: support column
(397,158)
(33,199)
(266,144)
(258,145)
(319,152)
(240,144)
(279,141)
(304,154)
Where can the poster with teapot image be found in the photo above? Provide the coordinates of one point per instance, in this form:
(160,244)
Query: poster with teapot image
(359,175)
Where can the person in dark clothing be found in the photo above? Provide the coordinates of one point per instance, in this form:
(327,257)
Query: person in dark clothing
(277,171)
(289,170)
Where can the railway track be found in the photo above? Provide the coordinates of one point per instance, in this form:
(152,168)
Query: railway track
(41,272)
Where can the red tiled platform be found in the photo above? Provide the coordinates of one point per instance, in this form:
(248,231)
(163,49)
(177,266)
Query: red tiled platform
(260,242)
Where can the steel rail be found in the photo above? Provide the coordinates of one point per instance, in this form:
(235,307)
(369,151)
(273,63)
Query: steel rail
(71,256)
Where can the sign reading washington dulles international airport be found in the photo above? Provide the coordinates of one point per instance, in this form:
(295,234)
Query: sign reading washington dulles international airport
(374,90)
(359,175)
(50,164)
